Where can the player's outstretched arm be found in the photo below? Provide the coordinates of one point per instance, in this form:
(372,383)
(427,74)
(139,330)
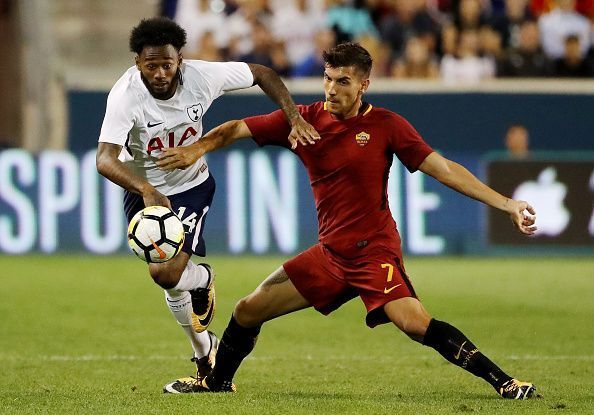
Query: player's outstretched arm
(221,136)
(115,171)
(460,179)
(269,81)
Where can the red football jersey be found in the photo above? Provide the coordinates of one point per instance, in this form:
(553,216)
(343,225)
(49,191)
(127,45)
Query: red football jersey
(348,168)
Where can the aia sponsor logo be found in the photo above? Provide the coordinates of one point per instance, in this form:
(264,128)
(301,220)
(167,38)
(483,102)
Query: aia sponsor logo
(158,143)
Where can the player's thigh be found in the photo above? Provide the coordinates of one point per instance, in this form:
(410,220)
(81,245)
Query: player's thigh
(319,277)
(192,207)
(274,297)
(380,279)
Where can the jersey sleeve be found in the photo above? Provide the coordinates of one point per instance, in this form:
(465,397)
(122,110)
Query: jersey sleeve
(119,117)
(270,129)
(407,143)
(229,76)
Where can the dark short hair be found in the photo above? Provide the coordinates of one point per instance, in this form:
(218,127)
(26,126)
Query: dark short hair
(157,31)
(349,54)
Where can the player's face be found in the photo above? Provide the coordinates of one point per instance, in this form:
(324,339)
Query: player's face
(344,87)
(158,66)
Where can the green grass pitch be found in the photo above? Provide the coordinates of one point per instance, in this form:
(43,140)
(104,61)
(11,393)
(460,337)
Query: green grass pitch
(81,334)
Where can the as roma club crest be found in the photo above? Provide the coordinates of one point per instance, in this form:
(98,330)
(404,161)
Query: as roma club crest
(195,112)
(362,138)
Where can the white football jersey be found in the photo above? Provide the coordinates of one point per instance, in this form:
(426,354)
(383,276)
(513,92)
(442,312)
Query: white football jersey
(144,125)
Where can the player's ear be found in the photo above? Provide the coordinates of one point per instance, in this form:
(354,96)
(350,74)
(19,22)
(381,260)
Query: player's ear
(180,58)
(364,86)
(137,62)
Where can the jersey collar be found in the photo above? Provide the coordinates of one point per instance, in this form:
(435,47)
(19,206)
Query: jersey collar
(363,110)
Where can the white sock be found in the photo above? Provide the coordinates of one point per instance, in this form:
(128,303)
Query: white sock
(194,276)
(179,302)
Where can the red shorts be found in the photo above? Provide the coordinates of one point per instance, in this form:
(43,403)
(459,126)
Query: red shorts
(328,280)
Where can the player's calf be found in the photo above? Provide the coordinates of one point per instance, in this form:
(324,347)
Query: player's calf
(236,344)
(454,346)
(203,302)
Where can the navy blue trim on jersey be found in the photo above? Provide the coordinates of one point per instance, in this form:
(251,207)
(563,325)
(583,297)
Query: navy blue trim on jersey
(196,200)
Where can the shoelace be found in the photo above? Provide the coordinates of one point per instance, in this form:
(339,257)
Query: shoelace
(188,386)
(204,367)
(519,389)
(512,386)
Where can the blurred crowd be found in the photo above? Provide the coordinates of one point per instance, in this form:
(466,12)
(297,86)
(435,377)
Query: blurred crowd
(456,40)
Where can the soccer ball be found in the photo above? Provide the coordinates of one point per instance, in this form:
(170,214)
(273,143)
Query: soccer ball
(155,234)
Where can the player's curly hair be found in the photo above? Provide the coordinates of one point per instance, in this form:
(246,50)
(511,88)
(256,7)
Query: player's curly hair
(157,31)
(349,54)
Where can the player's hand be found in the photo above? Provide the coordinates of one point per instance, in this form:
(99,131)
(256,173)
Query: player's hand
(152,197)
(302,133)
(517,212)
(178,157)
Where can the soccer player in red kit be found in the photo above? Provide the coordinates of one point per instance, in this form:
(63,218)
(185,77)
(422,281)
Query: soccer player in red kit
(359,251)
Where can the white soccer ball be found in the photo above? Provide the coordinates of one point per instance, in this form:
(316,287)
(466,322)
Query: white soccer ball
(155,234)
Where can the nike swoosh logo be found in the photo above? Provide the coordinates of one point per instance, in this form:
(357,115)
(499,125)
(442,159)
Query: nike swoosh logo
(387,290)
(206,320)
(457,356)
(161,253)
(149,125)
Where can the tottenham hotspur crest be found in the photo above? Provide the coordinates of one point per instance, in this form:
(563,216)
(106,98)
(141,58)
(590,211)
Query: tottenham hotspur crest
(362,138)
(195,112)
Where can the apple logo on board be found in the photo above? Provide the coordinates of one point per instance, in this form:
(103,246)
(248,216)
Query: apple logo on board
(546,196)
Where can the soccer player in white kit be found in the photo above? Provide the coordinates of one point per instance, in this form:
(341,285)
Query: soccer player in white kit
(159,103)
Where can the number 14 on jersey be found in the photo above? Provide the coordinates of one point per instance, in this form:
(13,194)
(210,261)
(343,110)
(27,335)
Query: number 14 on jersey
(189,221)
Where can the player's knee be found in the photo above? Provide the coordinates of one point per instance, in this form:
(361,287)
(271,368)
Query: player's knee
(247,313)
(410,317)
(414,326)
(415,329)
(168,274)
